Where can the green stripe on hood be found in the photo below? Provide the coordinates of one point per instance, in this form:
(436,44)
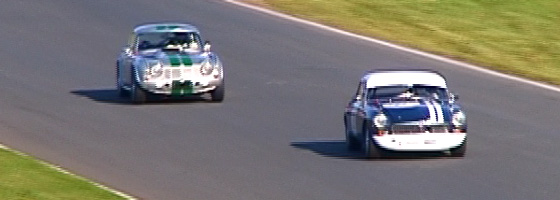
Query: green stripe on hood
(179,60)
(174,60)
(186,60)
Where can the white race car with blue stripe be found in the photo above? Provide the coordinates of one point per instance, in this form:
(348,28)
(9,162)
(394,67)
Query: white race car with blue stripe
(405,111)
(168,60)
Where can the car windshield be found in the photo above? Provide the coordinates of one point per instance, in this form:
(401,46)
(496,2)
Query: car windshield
(416,91)
(161,40)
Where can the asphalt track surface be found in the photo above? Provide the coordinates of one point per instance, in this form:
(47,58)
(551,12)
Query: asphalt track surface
(279,133)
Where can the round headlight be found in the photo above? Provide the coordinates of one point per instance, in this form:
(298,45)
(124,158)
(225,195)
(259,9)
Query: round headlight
(206,68)
(380,120)
(155,70)
(459,119)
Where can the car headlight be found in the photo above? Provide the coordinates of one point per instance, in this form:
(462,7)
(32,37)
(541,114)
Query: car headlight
(459,119)
(380,120)
(206,68)
(154,70)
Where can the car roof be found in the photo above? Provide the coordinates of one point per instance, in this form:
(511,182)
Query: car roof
(165,27)
(375,79)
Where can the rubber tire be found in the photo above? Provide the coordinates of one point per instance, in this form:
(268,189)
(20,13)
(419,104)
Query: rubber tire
(137,95)
(459,151)
(370,149)
(217,95)
(351,143)
(120,91)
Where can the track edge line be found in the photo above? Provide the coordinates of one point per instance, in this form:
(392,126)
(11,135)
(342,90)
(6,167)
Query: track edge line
(399,47)
(64,171)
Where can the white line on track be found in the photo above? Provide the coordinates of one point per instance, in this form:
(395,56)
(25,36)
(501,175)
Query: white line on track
(64,171)
(406,49)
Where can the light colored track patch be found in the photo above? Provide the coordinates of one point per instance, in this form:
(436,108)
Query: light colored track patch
(61,170)
(406,49)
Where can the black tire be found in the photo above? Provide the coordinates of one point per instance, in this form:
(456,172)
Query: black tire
(351,142)
(459,151)
(137,95)
(120,91)
(370,149)
(217,95)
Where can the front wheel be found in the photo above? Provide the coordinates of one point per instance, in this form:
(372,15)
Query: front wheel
(370,149)
(217,95)
(121,92)
(137,95)
(351,142)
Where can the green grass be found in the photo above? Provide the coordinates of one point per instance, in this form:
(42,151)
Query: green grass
(520,37)
(22,177)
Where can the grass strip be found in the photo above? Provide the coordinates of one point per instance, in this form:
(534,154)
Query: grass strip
(23,177)
(518,37)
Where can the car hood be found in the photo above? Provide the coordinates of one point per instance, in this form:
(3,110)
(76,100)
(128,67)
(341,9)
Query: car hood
(429,112)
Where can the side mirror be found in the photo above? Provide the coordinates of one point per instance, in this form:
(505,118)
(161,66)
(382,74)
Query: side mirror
(127,50)
(206,46)
(358,98)
(453,97)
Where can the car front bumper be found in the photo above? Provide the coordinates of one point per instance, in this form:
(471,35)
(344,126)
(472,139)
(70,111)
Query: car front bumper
(182,87)
(421,141)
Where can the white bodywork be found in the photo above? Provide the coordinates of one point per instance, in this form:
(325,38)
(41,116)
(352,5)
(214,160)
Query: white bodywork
(421,141)
(162,67)
(409,78)
(201,83)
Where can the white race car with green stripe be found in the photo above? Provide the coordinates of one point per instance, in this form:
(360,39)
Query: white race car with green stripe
(168,60)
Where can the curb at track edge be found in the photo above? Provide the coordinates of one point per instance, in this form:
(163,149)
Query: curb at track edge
(398,47)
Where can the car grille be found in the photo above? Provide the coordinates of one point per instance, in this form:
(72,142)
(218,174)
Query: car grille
(184,73)
(412,129)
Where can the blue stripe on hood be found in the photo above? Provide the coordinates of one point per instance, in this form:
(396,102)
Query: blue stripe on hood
(447,115)
(398,114)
